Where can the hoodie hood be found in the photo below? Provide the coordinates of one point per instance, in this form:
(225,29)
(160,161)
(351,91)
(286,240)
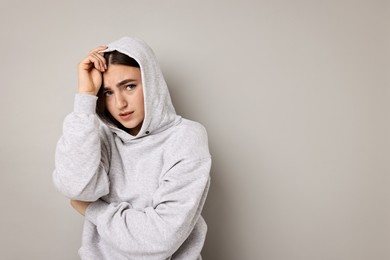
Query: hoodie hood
(159,111)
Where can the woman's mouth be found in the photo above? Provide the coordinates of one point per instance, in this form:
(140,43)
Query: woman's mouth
(125,115)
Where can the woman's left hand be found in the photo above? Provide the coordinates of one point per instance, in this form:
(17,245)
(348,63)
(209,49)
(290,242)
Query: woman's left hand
(80,206)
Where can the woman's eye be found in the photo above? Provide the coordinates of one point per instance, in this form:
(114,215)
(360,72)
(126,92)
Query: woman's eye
(130,87)
(107,93)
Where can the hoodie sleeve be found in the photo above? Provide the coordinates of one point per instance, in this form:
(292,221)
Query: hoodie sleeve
(158,230)
(81,156)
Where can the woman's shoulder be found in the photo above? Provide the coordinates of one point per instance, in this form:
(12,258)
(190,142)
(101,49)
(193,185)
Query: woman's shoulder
(190,129)
(189,138)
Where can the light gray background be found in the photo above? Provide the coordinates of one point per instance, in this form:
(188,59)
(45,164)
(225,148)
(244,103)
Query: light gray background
(294,95)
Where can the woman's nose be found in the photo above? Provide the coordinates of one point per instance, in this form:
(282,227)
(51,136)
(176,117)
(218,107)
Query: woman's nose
(120,101)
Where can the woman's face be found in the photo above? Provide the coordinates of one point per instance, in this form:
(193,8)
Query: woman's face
(123,95)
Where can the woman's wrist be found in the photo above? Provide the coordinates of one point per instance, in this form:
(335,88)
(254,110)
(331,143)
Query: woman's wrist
(84,91)
(87,90)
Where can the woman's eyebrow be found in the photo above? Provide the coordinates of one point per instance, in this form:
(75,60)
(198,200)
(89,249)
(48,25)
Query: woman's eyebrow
(121,83)
(125,81)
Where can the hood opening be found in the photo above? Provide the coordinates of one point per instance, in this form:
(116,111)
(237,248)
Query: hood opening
(113,58)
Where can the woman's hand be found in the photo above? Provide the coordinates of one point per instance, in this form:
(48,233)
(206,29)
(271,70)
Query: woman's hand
(90,71)
(80,206)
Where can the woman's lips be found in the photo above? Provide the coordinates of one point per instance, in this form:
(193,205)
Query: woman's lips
(125,116)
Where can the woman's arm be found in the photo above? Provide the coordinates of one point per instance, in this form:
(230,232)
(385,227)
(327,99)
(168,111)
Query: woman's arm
(82,155)
(80,206)
(158,230)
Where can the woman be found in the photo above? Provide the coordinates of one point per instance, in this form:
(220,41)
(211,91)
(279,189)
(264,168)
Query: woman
(136,170)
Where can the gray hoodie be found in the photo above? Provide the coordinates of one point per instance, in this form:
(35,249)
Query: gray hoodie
(148,190)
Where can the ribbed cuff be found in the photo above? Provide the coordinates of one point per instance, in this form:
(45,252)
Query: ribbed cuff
(94,210)
(85,103)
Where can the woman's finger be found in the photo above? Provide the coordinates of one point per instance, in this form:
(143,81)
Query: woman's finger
(101,60)
(91,59)
(97,59)
(100,56)
(98,63)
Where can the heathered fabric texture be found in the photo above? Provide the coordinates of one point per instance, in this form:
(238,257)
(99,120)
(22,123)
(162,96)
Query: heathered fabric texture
(148,190)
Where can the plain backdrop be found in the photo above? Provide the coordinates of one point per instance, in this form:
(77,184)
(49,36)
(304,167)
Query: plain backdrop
(294,96)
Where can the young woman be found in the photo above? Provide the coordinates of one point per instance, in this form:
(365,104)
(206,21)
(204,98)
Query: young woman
(136,170)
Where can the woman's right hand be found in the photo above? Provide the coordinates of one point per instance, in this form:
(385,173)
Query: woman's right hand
(90,71)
